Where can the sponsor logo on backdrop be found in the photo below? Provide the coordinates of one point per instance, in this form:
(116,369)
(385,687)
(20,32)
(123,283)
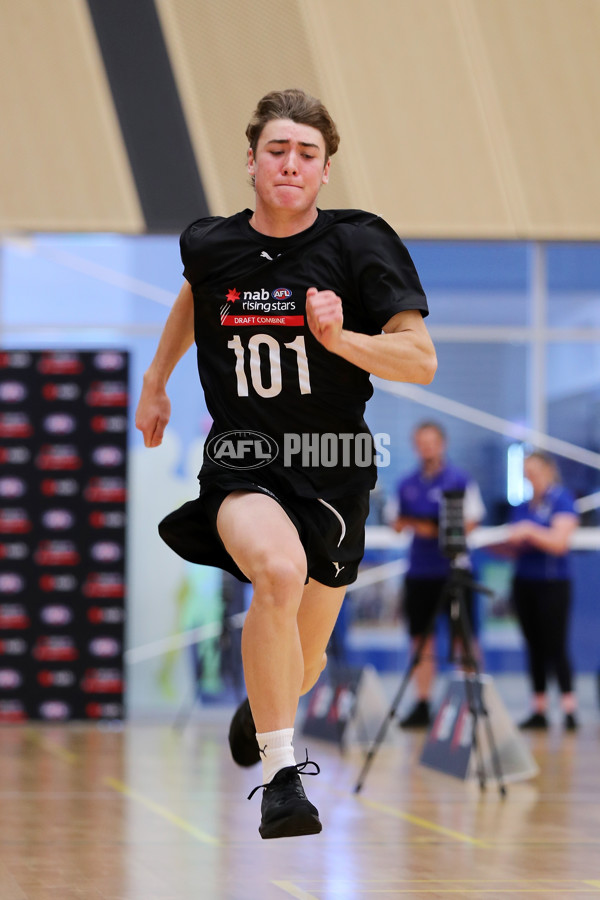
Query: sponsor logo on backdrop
(14,456)
(56,614)
(50,648)
(14,520)
(12,711)
(109,361)
(108,456)
(11,583)
(107,585)
(15,425)
(13,647)
(56,553)
(60,363)
(109,424)
(15,550)
(105,490)
(10,679)
(54,709)
(106,551)
(107,393)
(60,423)
(53,678)
(59,487)
(106,615)
(15,359)
(58,456)
(104,710)
(104,646)
(114,518)
(12,391)
(61,390)
(102,681)
(60,584)
(58,519)
(13,616)
(12,487)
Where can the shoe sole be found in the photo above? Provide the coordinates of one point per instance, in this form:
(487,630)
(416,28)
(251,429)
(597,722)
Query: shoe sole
(291,826)
(250,754)
(247,761)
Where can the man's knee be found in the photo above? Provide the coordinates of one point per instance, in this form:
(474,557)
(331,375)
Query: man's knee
(278,581)
(312,672)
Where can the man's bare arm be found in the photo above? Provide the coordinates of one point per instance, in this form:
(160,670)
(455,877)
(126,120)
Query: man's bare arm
(404,352)
(154,407)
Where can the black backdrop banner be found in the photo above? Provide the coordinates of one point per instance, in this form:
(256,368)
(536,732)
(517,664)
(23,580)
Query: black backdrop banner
(63,495)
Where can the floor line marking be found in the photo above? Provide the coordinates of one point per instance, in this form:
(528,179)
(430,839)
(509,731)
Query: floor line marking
(300,894)
(424,823)
(497,882)
(293,890)
(53,748)
(162,811)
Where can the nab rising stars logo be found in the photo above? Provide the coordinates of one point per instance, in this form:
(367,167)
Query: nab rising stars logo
(260,307)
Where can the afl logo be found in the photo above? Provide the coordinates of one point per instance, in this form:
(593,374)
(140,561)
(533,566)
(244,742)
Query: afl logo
(281,293)
(106,551)
(104,646)
(242,449)
(10,678)
(12,487)
(56,615)
(12,391)
(55,709)
(58,519)
(60,423)
(107,456)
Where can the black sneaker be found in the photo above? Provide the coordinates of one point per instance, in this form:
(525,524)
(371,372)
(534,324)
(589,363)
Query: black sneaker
(570,723)
(285,808)
(242,736)
(536,722)
(420,717)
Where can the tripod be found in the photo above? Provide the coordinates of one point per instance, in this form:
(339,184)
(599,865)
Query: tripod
(453,598)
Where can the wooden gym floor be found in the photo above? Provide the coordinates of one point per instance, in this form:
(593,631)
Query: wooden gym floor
(150,813)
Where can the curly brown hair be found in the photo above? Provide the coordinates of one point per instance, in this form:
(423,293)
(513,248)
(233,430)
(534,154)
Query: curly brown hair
(298,106)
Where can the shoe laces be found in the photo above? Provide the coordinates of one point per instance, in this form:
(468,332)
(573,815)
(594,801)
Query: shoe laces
(300,769)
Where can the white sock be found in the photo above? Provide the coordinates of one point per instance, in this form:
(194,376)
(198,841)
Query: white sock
(276,751)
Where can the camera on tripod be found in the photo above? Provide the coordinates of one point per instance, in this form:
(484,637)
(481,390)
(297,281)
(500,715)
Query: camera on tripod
(452,536)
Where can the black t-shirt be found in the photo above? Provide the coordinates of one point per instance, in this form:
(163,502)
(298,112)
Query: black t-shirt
(260,366)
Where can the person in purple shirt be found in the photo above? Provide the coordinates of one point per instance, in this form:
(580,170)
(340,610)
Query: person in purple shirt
(419,497)
(540,535)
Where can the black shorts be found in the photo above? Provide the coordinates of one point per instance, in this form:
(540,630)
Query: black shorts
(332,532)
(422,597)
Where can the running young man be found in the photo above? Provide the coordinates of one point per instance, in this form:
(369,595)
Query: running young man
(291,308)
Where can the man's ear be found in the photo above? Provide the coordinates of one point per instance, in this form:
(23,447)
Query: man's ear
(325,177)
(250,161)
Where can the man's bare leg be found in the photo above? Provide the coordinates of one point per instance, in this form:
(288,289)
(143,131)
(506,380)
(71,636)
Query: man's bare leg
(319,609)
(265,544)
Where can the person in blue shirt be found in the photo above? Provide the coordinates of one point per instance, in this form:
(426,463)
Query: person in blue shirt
(540,536)
(419,497)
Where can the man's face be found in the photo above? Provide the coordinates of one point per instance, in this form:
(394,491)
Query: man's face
(288,166)
(430,446)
